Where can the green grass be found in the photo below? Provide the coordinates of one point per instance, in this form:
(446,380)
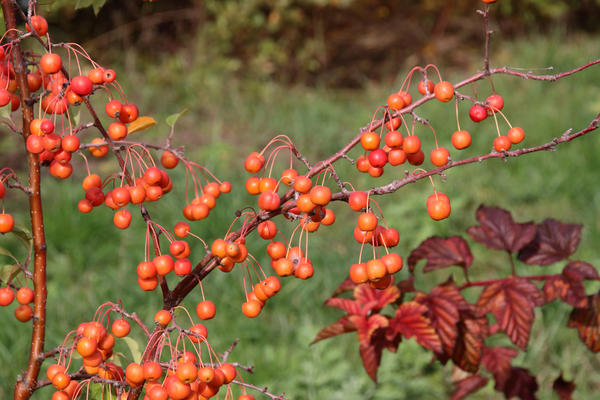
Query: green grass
(91,262)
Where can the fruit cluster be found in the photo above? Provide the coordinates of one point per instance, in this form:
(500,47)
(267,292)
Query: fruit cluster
(25,297)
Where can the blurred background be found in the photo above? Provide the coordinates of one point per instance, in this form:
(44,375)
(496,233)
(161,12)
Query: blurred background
(316,70)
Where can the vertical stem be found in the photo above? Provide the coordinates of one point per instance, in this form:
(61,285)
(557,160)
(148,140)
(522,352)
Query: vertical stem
(26,383)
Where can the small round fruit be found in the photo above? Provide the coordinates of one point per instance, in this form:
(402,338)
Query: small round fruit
(440,156)
(81,85)
(444,91)
(502,143)
(163,317)
(378,158)
(516,135)
(358,273)
(477,113)
(461,139)
(425,89)
(122,219)
(6,296)
(50,63)
(376,269)
(411,144)
(39,24)
(395,101)
(251,308)
(7,223)
(416,158)
(206,310)
(120,327)
(496,102)
(25,295)
(370,141)
(367,222)
(320,195)
(438,209)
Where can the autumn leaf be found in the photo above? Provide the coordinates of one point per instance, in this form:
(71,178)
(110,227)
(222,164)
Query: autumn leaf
(345,286)
(352,307)
(375,299)
(587,321)
(497,230)
(569,285)
(520,383)
(367,326)
(469,385)
(554,241)
(342,325)
(563,388)
(371,345)
(469,343)
(512,301)
(444,303)
(410,320)
(441,253)
(497,361)
(140,124)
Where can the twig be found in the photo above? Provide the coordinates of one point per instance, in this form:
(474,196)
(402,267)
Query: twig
(263,390)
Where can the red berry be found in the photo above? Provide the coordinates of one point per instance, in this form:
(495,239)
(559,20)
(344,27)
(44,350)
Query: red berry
(477,113)
(502,143)
(516,135)
(82,85)
(439,157)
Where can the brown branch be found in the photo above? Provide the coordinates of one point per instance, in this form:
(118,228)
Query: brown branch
(263,390)
(26,384)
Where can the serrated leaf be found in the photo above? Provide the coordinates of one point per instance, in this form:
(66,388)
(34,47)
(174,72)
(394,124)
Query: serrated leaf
(520,383)
(374,299)
(579,270)
(512,301)
(345,286)
(469,343)
(553,242)
(140,124)
(134,348)
(371,358)
(443,315)
(497,230)
(563,388)
(587,321)
(441,253)
(352,307)
(410,321)
(366,327)
(497,361)
(469,385)
(172,119)
(342,325)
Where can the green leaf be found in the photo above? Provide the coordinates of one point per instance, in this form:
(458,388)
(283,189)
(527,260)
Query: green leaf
(24,235)
(96,4)
(171,119)
(134,348)
(76,117)
(9,272)
(5,112)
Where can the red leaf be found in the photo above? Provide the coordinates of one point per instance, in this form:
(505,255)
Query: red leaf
(587,321)
(371,357)
(579,270)
(512,301)
(469,343)
(469,385)
(444,303)
(352,307)
(497,230)
(371,344)
(375,299)
(441,253)
(554,241)
(563,388)
(410,321)
(407,285)
(343,325)
(367,326)
(497,361)
(520,383)
(555,287)
(345,286)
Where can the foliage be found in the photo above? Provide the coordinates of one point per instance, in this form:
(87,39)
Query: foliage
(443,321)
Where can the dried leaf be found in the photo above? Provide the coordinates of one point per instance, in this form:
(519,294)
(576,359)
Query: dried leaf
(520,383)
(342,325)
(563,388)
(469,385)
(441,253)
(497,361)
(140,124)
(410,320)
(587,321)
(512,301)
(497,230)
(554,241)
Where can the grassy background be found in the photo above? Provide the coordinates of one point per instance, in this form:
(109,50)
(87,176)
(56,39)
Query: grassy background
(91,262)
